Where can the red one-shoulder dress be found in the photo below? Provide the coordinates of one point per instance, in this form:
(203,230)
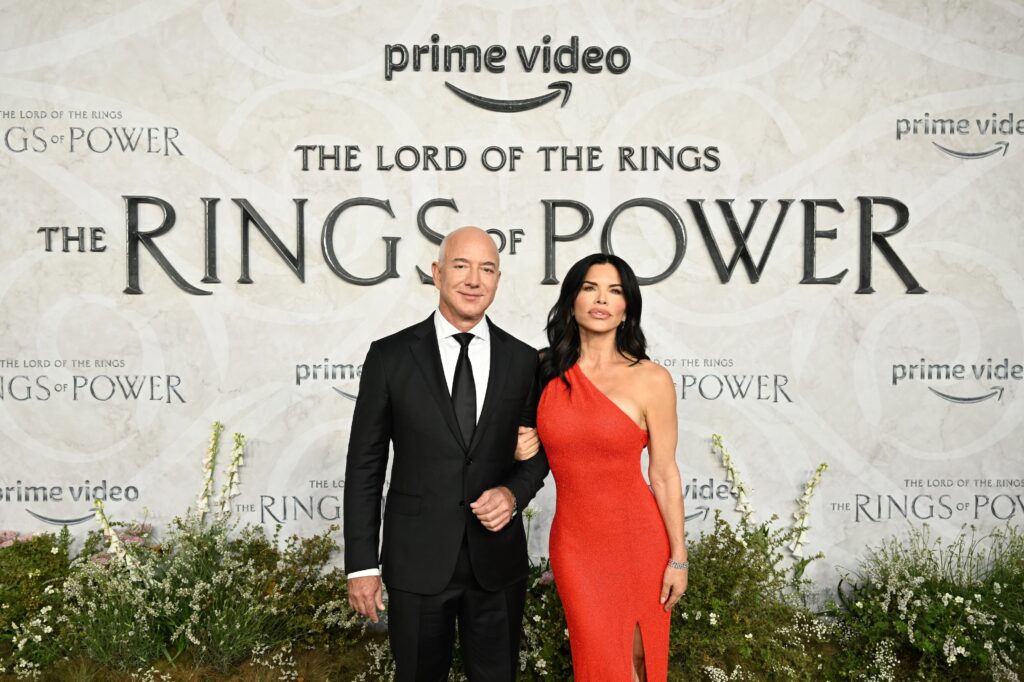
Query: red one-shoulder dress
(608,543)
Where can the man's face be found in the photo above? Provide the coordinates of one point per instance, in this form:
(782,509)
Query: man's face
(468,277)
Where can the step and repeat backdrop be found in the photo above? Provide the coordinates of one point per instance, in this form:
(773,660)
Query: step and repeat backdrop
(211,208)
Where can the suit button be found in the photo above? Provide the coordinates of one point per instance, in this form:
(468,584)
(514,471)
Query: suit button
(469,460)
(462,503)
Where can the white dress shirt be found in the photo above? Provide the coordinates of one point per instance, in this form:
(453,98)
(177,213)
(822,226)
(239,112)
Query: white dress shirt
(479,354)
(479,358)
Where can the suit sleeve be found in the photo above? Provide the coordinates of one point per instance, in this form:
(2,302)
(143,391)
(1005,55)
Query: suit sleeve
(528,476)
(366,465)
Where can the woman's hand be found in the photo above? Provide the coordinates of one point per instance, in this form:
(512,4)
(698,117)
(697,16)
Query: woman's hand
(673,586)
(528,444)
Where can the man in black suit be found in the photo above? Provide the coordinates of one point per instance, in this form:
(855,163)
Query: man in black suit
(449,393)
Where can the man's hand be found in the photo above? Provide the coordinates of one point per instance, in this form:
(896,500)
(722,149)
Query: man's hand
(366,595)
(528,444)
(494,508)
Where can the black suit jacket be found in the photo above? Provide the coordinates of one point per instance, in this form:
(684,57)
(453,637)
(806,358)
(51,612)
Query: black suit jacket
(404,400)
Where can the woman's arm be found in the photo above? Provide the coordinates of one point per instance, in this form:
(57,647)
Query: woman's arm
(662,428)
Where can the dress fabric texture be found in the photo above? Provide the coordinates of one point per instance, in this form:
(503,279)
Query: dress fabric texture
(608,543)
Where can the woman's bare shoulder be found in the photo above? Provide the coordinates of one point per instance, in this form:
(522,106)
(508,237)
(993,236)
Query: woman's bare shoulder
(653,376)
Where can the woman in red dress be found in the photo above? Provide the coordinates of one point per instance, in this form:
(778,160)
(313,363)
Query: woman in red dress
(618,551)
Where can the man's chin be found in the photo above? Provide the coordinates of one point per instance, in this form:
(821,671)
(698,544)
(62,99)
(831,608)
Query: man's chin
(471,312)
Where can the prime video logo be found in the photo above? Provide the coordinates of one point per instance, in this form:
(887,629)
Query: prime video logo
(988,371)
(329,371)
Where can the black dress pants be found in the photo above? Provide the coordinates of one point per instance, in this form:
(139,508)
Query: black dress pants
(422,629)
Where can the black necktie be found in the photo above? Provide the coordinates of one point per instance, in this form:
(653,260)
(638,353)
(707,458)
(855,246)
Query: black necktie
(464,390)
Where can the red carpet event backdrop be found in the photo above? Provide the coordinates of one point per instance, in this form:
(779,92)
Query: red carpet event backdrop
(211,208)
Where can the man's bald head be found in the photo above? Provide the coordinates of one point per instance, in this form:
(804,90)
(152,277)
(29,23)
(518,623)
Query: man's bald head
(469,232)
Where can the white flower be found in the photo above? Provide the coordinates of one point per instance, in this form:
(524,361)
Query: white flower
(230,488)
(738,488)
(203,501)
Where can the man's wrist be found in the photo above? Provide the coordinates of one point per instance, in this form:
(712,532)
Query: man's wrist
(515,502)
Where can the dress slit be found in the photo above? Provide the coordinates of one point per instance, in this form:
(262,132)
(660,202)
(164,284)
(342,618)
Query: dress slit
(638,633)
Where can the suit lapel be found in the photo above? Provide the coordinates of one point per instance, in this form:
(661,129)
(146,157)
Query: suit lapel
(495,380)
(428,358)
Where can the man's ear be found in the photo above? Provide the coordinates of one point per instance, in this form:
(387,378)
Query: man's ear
(435,272)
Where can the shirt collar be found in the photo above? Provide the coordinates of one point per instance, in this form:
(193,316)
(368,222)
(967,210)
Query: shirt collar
(446,329)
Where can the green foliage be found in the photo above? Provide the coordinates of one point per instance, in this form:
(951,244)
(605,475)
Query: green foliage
(32,570)
(744,609)
(109,615)
(28,566)
(221,595)
(545,653)
(940,610)
(214,597)
(217,598)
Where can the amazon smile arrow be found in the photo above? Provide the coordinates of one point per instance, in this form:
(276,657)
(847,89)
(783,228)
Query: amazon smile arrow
(350,396)
(996,391)
(62,522)
(1000,146)
(511,106)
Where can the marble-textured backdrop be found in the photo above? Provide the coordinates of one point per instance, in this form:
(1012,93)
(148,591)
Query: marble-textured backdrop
(795,100)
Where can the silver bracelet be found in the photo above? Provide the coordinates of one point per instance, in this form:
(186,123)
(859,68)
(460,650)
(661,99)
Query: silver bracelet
(681,565)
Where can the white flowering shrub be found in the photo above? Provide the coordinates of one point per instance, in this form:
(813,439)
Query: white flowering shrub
(544,651)
(744,614)
(210,594)
(209,600)
(109,614)
(940,609)
(32,569)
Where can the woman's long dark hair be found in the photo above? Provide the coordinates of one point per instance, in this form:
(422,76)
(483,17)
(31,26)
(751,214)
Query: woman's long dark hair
(563,332)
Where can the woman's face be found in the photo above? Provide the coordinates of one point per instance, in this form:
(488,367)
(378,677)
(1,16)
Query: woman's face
(600,305)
